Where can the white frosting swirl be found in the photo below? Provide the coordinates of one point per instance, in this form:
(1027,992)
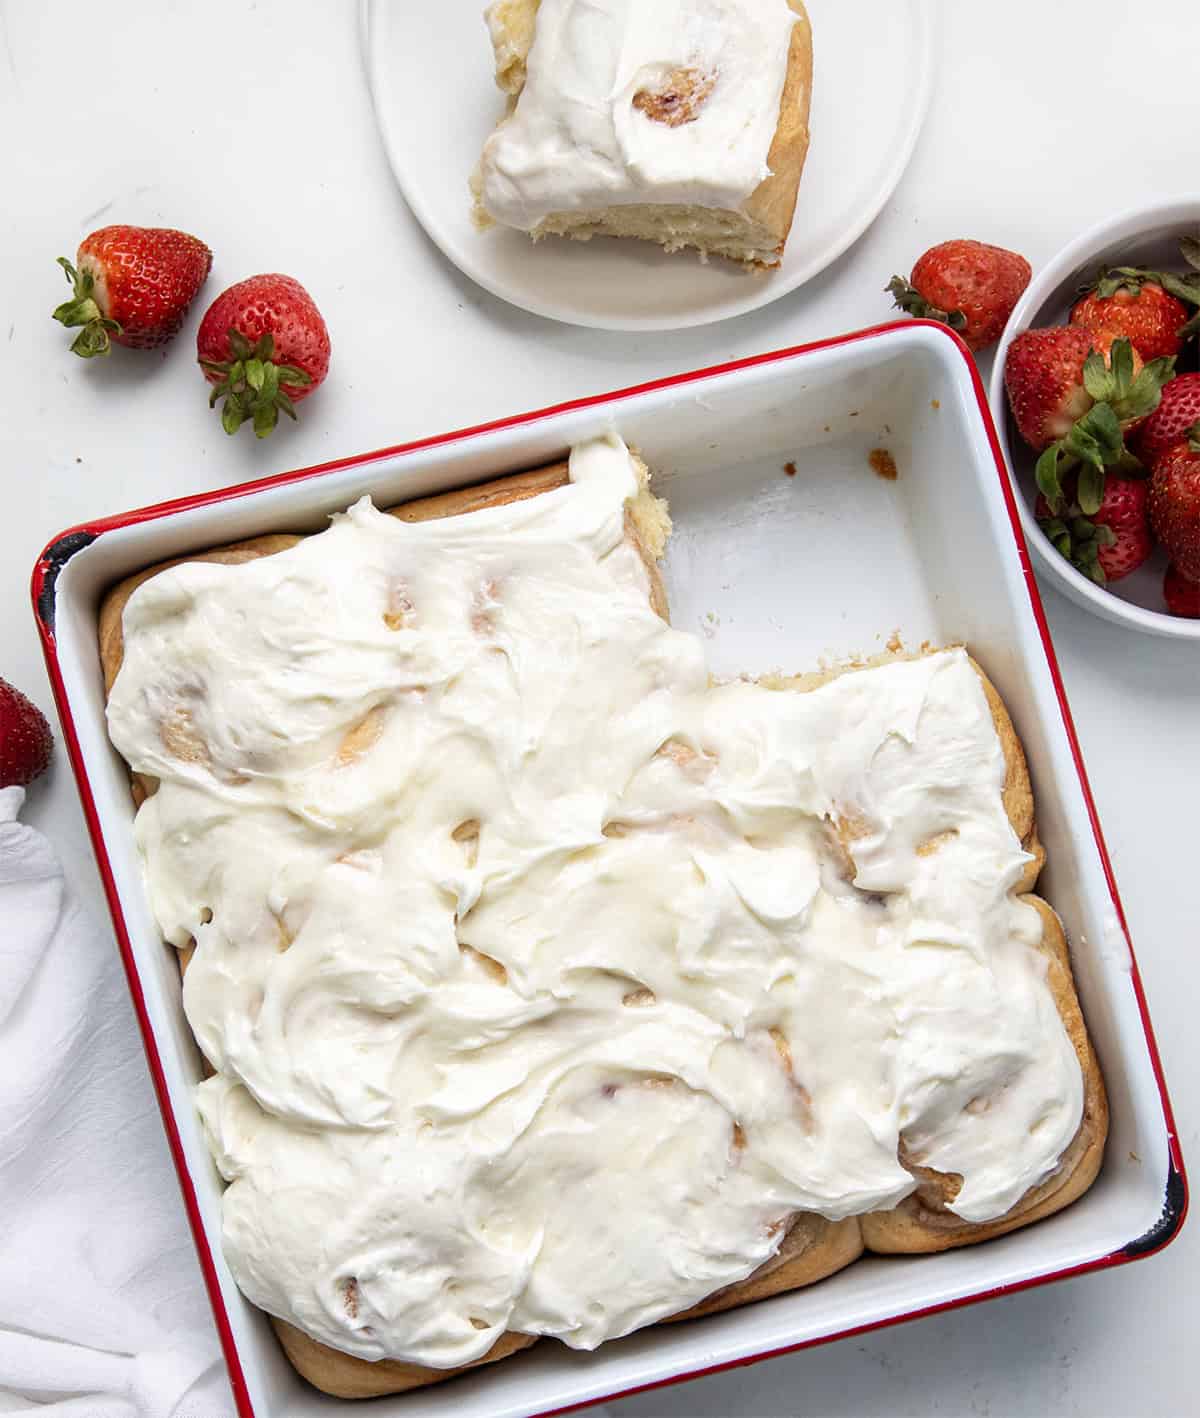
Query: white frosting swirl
(577,139)
(570,1077)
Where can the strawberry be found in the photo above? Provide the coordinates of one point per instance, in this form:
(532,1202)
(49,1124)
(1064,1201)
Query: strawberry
(1144,314)
(1055,375)
(133,286)
(1111,542)
(1084,402)
(968,285)
(25,738)
(1175,505)
(1044,379)
(1181,595)
(264,345)
(1183,288)
(1177,415)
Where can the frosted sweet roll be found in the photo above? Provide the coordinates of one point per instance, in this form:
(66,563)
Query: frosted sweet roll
(546,983)
(683,122)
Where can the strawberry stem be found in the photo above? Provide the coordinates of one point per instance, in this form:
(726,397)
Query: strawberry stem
(912,302)
(82,310)
(1114,383)
(1080,540)
(250,385)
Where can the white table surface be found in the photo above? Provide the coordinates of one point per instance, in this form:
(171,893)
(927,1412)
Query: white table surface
(163,113)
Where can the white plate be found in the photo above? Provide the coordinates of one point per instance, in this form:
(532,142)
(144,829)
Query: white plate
(430,74)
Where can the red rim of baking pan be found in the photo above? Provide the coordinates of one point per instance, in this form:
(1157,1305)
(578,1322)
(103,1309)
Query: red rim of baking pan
(60,550)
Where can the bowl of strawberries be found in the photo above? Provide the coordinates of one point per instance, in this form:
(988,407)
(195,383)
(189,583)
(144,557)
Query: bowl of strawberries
(1096,390)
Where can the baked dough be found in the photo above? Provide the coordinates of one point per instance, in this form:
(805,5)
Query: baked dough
(921,1224)
(813,1248)
(755,235)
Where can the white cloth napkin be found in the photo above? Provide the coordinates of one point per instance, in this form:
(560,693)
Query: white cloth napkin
(102,1310)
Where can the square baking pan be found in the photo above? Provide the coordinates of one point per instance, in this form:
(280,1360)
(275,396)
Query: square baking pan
(789,549)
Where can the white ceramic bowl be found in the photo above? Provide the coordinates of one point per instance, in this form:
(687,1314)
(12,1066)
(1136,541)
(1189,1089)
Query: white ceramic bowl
(1149,237)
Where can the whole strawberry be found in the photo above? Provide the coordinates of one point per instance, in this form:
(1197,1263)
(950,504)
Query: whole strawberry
(132,286)
(1142,313)
(264,346)
(1055,375)
(968,285)
(1175,505)
(1110,543)
(1044,379)
(1181,595)
(1117,391)
(1177,415)
(25,738)
(1181,286)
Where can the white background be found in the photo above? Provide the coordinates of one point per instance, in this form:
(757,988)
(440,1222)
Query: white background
(249,124)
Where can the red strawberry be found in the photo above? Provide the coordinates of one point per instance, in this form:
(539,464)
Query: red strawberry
(1044,379)
(1181,595)
(1110,543)
(1123,512)
(264,345)
(1178,412)
(1075,405)
(133,285)
(25,738)
(968,285)
(1183,287)
(1175,505)
(1118,393)
(1144,314)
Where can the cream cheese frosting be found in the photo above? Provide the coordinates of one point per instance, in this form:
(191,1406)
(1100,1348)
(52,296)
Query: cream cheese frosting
(584,134)
(540,989)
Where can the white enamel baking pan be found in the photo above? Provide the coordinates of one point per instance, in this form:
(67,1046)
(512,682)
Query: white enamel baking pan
(776,569)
